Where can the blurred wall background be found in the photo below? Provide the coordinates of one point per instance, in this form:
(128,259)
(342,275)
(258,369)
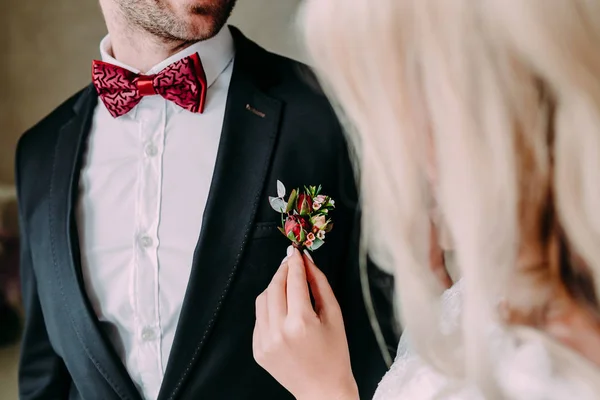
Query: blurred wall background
(46,48)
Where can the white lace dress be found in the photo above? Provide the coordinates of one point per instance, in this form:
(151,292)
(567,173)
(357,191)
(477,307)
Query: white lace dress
(524,370)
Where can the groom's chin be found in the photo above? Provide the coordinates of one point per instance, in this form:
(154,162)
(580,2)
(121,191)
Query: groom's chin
(204,19)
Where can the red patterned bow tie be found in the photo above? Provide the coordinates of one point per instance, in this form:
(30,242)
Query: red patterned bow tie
(182,82)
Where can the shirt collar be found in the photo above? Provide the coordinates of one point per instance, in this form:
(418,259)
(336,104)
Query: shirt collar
(215,53)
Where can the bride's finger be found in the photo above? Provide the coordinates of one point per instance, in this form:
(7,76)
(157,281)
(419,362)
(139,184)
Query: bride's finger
(276,300)
(256,341)
(297,288)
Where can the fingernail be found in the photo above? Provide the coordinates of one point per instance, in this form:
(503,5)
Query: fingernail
(290,251)
(308,255)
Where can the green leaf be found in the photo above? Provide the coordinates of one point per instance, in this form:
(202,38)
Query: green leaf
(316,244)
(282,230)
(292,201)
(280,189)
(302,236)
(292,237)
(278,204)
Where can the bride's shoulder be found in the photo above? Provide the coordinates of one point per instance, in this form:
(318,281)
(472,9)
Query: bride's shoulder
(528,366)
(411,378)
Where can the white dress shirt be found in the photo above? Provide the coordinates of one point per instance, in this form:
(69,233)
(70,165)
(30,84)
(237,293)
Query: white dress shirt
(143,189)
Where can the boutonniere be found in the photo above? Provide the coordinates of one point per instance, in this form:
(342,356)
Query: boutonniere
(304,216)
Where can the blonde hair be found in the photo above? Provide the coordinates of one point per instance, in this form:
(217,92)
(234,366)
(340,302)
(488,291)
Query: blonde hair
(487,80)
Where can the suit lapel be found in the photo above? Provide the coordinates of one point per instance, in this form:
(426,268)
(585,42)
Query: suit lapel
(68,156)
(249,132)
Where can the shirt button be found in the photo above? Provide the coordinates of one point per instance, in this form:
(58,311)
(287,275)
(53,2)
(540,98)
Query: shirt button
(151,150)
(146,241)
(148,334)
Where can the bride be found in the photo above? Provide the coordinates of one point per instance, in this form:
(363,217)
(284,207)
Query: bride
(479,119)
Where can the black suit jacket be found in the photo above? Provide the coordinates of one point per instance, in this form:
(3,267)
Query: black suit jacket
(277,126)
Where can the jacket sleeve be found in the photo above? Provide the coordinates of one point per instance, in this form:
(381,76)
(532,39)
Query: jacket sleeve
(42,373)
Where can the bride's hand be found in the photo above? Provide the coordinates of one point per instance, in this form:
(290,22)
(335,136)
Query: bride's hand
(304,349)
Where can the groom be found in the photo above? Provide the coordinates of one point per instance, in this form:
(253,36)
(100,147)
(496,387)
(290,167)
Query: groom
(146,229)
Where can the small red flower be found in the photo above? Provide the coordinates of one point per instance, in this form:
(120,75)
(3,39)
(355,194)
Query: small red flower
(304,204)
(295,224)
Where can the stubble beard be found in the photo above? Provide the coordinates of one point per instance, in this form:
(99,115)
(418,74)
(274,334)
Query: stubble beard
(156,18)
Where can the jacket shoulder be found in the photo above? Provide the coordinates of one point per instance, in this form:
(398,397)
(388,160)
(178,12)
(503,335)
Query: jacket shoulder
(288,80)
(38,135)
(37,143)
(296,78)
